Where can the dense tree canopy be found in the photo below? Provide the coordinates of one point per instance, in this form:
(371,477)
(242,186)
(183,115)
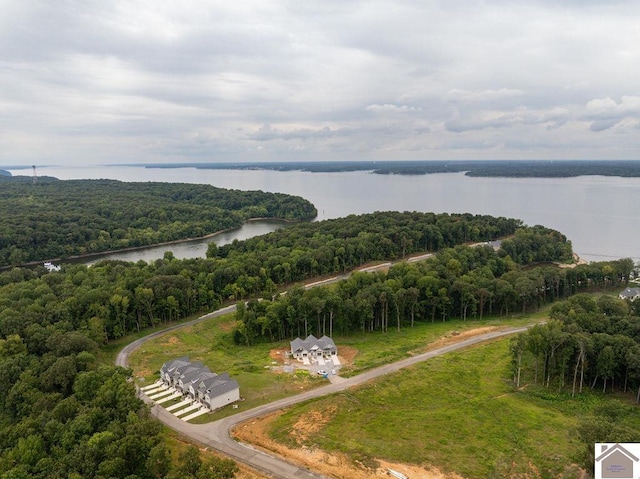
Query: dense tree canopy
(64,415)
(57,219)
(460,282)
(590,342)
(338,245)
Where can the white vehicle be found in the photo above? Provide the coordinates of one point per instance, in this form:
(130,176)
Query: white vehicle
(321,372)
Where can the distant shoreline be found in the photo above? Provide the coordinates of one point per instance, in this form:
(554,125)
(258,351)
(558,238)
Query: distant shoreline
(495,168)
(472,168)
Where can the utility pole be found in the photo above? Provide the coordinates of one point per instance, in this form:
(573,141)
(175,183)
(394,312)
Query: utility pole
(35,176)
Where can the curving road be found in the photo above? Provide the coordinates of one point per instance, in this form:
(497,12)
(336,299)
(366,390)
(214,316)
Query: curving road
(217,434)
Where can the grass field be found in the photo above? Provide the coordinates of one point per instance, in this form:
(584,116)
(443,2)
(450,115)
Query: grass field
(376,349)
(458,412)
(211,343)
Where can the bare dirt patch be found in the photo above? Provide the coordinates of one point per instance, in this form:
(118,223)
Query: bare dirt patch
(278,355)
(347,355)
(456,336)
(313,422)
(171,340)
(335,465)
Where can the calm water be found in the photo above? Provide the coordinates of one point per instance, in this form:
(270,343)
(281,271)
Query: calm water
(195,248)
(597,214)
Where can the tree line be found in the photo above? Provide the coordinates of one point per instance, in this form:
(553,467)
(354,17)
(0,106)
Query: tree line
(589,343)
(461,282)
(52,219)
(338,245)
(112,298)
(491,168)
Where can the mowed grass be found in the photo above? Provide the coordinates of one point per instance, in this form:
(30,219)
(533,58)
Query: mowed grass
(376,349)
(458,412)
(211,342)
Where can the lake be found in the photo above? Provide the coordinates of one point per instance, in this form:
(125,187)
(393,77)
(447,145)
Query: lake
(596,213)
(196,248)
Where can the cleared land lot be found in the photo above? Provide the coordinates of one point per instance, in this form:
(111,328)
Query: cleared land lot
(458,413)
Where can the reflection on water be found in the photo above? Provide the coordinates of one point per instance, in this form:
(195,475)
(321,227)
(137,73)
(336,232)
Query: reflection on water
(596,213)
(194,248)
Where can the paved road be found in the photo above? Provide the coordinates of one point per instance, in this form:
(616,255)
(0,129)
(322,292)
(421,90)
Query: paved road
(217,434)
(123,356)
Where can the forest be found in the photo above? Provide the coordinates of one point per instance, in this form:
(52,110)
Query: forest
(588,342)
(64,414)
(52,219)
(462,282)
(337,245)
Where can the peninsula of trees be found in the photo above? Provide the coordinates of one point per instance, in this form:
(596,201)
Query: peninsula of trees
(64,414)
(50,218)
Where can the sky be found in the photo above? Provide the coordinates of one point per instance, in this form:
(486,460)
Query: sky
(155,81)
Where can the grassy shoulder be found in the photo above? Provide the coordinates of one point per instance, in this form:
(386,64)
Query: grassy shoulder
(257,368)
(376,349)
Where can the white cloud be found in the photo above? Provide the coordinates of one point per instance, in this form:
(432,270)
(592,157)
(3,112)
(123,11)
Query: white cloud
(392,108)
(169,80)
(605,113)
(457,95)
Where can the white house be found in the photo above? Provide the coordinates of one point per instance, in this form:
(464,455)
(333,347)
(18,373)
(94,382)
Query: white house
(221,391)
(313,347)
(196,381)
(168,369)
(630,293)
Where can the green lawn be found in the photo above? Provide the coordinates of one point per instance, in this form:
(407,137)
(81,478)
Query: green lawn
(458,412)
(376,349)
(210,342)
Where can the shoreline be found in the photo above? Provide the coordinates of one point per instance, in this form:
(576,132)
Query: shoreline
(97,255)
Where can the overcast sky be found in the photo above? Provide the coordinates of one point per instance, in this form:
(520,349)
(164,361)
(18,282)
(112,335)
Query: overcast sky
(107,81)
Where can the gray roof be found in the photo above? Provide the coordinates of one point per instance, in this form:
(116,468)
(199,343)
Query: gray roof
(199,376)
(203,381)
(297,344)
(222,386)
(170,366)
(193,372)
(630,293)
(325,343)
